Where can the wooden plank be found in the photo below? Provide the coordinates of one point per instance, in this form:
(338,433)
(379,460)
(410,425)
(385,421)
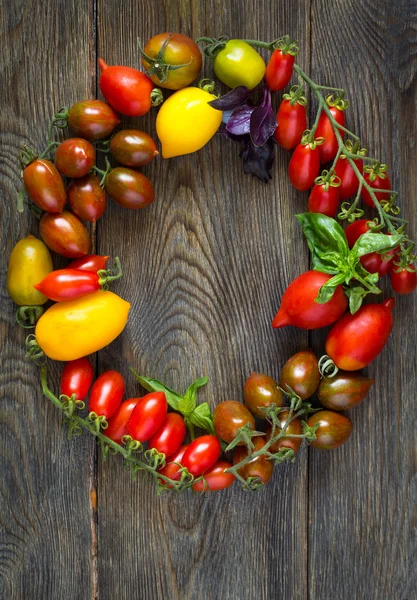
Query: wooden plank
(362,497)
(45,510)
(205,268)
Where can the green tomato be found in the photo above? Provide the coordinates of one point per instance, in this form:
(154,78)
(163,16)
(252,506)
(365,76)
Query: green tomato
(239,64)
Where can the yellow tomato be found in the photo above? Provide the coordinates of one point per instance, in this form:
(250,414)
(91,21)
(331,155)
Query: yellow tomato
(239,64)
(29,262)
(185,122)
(70,330)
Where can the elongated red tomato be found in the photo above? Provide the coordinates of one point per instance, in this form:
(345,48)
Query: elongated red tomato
(373,262)
(215,478)
(77,378)
(292,122)
(298,306)
(329,148)
(68,284)
(325,201)
(126,89)
(378,179)
(349,180)
(356,340)
(148,416)
(404,281)
(45,186)
(279,70)
(202,453)
(118,422)
(171,469)
(106,394)
(169,438)
(304,166)
(91,262)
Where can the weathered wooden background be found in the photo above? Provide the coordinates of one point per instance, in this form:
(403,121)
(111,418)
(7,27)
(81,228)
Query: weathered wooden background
(205,268)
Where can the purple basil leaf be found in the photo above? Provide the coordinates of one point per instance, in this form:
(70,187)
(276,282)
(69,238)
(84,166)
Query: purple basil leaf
(258,160)
(263,121)
(232,99)
(239,122)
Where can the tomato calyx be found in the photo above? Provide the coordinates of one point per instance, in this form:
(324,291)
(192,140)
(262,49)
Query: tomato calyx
(159,67)
(339,102)
(107,275)
(327,179)
(296,95)
(34,351)
(309,140)
(375,170)
(28,316)
(213,45)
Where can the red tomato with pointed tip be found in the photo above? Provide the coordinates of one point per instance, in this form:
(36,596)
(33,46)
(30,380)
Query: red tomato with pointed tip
(126,89)
(171,469)
(106,394)
(68,284)
(349,180)
(91,262)
(329,149)
(92,119)
(356,340)
(299,308)
(215,478)
(279,70)
(118,422)
(64,234)
(75,157)
(292,122)
(86,198)
(148,416)
(380,183)
(77,378)
(170,436)
(202,453)
(304,167)
(45,186)
(324,201)
(404,281)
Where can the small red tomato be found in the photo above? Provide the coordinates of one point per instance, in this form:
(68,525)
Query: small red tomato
(299,308)
(65,234)
(377,178)
(170,436)
(215,478)
(77,378)
(129,188)
(126,89)
(259,467)
(133,148)
(292,122)
(106,394)
(356,340)
(75,157)
(91,262)
(45,186)
(202,453)
(92,119)
(324,198)
(228,417)
(301,374)
(171,469)
(333,431)
(329,148)
(148,416)
(86,198)
(259,392)
(304,166)
(372,262)
(118,422)
(343,391)
(293,428)
(404,281)
(68,284)
(349,180)
(279,70)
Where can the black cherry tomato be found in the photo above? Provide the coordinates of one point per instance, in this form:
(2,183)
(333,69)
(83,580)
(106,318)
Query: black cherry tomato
(293,428)
(86,198)
(129,188)
(301,374)
(65,234)
(259,467)
(45,186)
(343,391)
(259,392)
(333,431)
(228,417)
(133,148)
(75,157)
(92,119)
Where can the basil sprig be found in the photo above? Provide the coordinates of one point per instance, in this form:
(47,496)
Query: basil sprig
(330,254)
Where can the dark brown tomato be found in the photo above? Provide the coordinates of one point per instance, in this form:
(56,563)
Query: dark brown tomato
(301,374)
(65,234)
(129,188)
(294,428)
(133,148)
(45,186)
(259,392)
(92,119)
(75,157)
(86,198)
(258,467)
(228,417)
(343,391)
(333,431)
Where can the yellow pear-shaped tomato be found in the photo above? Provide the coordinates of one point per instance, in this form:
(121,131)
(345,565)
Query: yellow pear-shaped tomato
(70,330)
(186,122)
(29,262)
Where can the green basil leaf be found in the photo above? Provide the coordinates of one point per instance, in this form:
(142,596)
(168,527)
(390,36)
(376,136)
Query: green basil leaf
(153,385)
(375,242)
(191,392)
(356,296)
(202,417)
(326,239)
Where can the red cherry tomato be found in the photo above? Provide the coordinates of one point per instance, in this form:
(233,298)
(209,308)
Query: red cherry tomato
(65,234)
(77,378)
(171,469)
(148,416)
(45,186)
(86,198)
(304,166)
(279,70)
(68,284)
(118,422)
(372,262)
(404,281)
(322,200)
(129,188)
(215,478)
(91,262)
(202,453)
(170,436)
(292,122)
(378,179)
(349,180)
(329,149)
(75,157)
(106,394)
(126,89)
(356,340)
(92,119)
(298,306)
